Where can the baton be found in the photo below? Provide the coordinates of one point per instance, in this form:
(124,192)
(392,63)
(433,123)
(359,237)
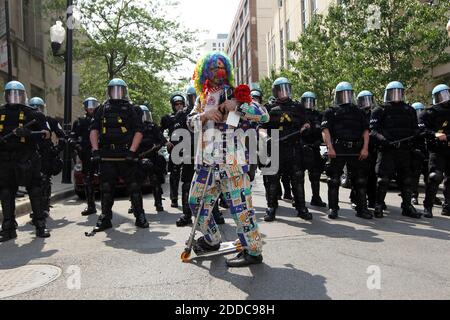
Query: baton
(9,135)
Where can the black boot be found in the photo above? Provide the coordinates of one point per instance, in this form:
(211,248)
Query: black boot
(379,212)
(270,215)
(41,230)
(130,211)
(103,223)
(6,235)
(88,211)
(446,211)
(317,202)
(141,221)
(364,213)
(304,214)
(243,259)
(202,247)
(174,203)
(428,213)
(415,201)
(184,221)
(334,214)
(157,194)
(410,211)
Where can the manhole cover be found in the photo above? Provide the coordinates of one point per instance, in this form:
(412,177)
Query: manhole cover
(26,278)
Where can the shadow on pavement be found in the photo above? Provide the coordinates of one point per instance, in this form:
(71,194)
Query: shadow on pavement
(21,255)
(271,283)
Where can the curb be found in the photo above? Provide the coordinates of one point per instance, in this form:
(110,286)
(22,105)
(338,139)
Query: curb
(25,207)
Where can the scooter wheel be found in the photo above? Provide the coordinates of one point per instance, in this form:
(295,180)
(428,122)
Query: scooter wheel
(185,256)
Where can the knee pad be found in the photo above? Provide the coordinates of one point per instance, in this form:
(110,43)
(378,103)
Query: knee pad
(383,182)
(299,176)
(360,182)
(134,187)
(334,182)
(106,187)
(436,177)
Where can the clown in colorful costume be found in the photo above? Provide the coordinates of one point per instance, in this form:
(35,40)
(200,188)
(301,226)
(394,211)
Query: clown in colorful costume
(221,148)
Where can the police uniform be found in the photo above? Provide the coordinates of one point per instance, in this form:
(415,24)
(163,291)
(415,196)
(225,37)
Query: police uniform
(289,117)
(437,120)
(51,161)
(80,140)
(20,165)
(117,123)
(171,123)
(153,164)
(315,163)
(347,124)
(389,123)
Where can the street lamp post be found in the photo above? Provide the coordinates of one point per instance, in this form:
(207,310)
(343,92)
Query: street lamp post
(57,36)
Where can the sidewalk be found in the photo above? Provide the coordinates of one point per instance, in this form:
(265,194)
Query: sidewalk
(59,191)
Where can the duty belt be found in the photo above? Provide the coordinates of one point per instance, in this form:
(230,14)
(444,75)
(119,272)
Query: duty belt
(115,147)
(348,144)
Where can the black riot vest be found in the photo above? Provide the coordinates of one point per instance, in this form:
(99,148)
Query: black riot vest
(398,122)
(315,119)
(11,118)
(115,126)
(84,124)
(442,118)
(288,118)
(348,123)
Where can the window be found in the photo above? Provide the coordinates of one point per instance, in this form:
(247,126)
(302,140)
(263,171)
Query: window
(246,8)
(303,9)
(248,34)
(313,5)
(288,38)
(282,48)
(31,19)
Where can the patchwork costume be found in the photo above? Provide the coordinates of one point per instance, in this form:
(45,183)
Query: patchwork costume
(221,151)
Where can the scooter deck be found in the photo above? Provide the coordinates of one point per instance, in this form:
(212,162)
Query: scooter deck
(225,248)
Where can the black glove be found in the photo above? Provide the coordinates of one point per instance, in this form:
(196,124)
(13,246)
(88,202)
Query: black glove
(96,156)
(23,132)
(147,164)
(132,157)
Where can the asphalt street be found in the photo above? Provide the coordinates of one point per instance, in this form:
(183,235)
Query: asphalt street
(392,258)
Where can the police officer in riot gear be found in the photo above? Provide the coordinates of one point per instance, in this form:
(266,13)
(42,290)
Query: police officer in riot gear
(176,120)
(19,161)
(419,158)
(191,98)
(435,122)
(153,164)
(80,141)
(51,163)
(116,134)
(316,164)
(290,118)
(346,134)
(394,126)
(257,96)
(366,102)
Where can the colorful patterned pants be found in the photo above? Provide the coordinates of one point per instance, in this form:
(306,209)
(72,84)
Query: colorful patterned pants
(237,192)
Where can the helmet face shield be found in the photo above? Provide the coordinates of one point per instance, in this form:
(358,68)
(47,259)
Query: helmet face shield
(283,91)
(91,104)
(15,97)
(365,102)
(147,116)
(309,103)
(118,93)
(441,97)
(191,99)
(344,97)
(394,95)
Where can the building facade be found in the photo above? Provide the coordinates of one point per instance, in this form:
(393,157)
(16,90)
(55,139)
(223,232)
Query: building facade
(246,42)
(217,44)
(289,19)
(31,57)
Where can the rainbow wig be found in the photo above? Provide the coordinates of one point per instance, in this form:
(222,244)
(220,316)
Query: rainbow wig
(202,76)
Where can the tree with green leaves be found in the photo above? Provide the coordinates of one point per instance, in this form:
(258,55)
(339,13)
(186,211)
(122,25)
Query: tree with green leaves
(130,39)
(370,43)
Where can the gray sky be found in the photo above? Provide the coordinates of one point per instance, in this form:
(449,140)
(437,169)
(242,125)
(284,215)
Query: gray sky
(210,16)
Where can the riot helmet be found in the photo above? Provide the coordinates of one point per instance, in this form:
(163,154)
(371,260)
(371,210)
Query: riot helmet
(395,92)
(118,90)
(15,93)
(441,94)
(282,89)
(309,100)
(343,93)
